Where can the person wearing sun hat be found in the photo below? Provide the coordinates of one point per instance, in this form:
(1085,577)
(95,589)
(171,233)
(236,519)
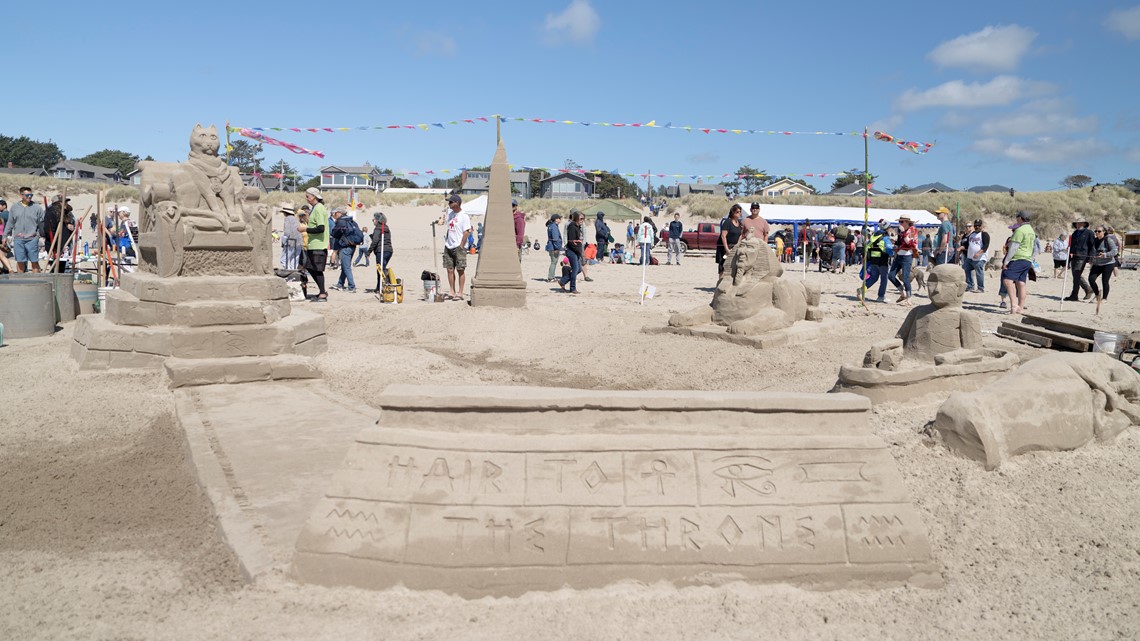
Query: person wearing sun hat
(317,245)
(290,238)
(942,250)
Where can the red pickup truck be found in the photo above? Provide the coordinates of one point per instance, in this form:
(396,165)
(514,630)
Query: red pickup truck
(704,237)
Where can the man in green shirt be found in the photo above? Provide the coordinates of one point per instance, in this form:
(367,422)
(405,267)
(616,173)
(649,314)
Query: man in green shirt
(1019,262)
(317,248)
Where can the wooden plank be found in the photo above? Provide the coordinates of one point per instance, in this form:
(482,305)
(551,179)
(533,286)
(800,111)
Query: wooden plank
(1068,341)
(1062,327)
(1024,337)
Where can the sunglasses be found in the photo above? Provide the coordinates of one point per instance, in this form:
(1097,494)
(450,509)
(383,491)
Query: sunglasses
(1100,231)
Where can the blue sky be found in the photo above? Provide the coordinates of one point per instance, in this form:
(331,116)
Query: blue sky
(1017,93)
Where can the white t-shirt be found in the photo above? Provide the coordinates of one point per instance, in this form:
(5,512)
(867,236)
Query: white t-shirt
(456,223)
(975,245)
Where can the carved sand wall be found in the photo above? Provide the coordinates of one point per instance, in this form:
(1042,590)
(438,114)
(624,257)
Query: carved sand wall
(503,490)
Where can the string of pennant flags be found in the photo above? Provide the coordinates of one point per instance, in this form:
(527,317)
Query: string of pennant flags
(596,172)
(257,133)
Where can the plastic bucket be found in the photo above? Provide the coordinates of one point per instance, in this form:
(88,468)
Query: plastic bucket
(399,290)
(62,286)
(85,296)
(102,296)
(1109,343)
(388,294)
(27,307)
(430,290)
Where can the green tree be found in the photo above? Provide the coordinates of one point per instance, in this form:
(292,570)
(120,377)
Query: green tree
(852,176)
(246,156)
(315,181)
(1132,183)
(901,189)
(614,186)
(25,152)
(1076,181)
(536,178)
(400,181)
(731,188)
(751,180)
(447,183)
(112,158)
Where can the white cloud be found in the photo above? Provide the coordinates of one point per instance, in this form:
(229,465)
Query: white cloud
(578,23)
(434,43)
(1000,91)
(1125,21)
(1043,150)
(991,49)
(1044,117)
(888,124)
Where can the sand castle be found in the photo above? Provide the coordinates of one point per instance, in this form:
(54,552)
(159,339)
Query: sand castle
(752,304)
(204,302)
(938,348)
(1090,397)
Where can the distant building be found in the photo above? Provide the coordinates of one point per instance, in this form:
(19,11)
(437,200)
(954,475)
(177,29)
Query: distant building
(36,172)
(75,170)
(786,187)
(981,189)
(684,189)
(349,177)
(932,188)
(567,185)
(478,183)
(854,189)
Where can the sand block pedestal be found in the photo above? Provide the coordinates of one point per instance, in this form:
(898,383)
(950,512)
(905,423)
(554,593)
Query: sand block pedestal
(210,329)
(498,491)
(801,332)
(911,384)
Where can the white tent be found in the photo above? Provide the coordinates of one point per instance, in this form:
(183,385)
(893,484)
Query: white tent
(476,207)
(829,215)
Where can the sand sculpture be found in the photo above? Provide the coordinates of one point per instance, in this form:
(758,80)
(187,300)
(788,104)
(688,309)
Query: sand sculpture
(498,278)
(938,348)
(203,302)
(497,491)
(752,304)
(1056,402)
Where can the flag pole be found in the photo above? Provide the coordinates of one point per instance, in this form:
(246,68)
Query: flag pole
(866,217)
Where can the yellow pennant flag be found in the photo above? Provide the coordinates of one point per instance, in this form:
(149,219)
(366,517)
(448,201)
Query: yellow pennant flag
(424,127)
(651,123)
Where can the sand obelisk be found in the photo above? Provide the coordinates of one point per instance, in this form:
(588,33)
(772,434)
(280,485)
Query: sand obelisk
(498,278)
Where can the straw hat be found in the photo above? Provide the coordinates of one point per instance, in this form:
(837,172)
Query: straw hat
(905,217)
(287,209)
(1080,220)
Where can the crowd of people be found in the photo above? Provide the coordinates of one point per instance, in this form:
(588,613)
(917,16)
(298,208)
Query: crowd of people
(35,237)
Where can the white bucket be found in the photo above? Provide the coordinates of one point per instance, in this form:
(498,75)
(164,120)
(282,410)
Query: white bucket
(103,298)
(1109,343)
(429,290)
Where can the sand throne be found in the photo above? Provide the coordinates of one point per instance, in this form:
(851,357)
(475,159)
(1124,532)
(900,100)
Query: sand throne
(186,231)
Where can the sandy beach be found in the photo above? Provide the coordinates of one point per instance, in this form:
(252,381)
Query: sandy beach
(105,534)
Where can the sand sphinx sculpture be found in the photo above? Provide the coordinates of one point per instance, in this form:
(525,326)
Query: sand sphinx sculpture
(938,348)
(203,301)
(1089,397)
(752,304)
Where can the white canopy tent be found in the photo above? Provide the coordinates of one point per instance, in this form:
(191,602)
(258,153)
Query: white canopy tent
(831,215)
(475,207)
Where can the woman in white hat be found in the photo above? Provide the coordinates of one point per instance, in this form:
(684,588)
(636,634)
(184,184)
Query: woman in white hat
(290,239)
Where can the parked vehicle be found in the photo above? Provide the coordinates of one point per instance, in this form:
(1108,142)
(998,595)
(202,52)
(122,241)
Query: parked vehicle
(704,237)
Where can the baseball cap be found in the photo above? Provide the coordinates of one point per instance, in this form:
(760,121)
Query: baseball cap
(514,203)
(1024,215)
(942,210)
(454,198)
(755,206)
(3,202)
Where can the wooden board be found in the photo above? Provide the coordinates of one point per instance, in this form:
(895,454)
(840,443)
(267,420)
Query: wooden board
(1068,341)
(1062,327)
(1024,337)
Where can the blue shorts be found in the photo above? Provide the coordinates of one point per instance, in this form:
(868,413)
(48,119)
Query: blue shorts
(27,250)
(1016,270)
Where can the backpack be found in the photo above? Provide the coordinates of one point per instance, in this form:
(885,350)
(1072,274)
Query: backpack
(353,236)
(841,232)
